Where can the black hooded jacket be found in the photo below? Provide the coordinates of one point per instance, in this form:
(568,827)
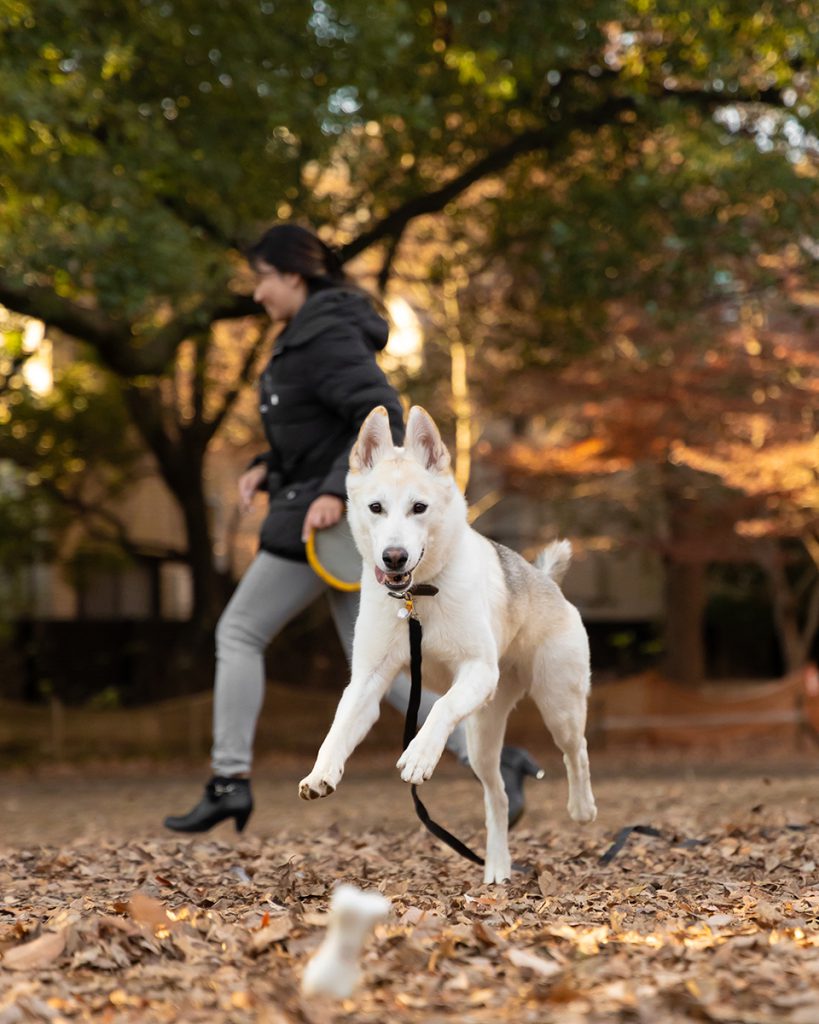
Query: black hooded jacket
(321,382)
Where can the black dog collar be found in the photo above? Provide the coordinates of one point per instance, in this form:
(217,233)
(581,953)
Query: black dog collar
(416,590)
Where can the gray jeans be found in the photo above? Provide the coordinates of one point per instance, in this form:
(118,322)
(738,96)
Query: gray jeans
(271,593)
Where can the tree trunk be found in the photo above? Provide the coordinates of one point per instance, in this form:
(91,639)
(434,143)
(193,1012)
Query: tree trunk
(795,639)
(685,583)
(193,658)
(685,590)
(180,456)
(211,587)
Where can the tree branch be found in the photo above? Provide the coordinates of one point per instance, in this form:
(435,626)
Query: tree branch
(94,510)
(432,202)
(128,355)
(123,352)
(389,259)
(146,412)
(199,377)
(194,217)
(231,396)
(531,141)
(110,337)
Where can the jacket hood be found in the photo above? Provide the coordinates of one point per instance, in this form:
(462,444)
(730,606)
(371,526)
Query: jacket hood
(331,307)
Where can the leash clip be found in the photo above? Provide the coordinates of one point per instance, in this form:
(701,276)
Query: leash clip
(409,604)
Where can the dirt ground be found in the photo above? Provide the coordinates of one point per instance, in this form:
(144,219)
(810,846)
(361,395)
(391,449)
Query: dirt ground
(113,803)
(104,916)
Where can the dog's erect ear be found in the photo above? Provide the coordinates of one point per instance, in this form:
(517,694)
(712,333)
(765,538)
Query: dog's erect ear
(424,442)
(374,441)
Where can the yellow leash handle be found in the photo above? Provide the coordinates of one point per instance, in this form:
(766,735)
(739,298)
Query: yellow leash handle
(324,574)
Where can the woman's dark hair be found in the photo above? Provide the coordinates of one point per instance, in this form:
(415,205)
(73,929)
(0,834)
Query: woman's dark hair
(296,250)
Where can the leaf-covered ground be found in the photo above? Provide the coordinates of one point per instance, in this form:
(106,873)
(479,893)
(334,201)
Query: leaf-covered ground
(103,917)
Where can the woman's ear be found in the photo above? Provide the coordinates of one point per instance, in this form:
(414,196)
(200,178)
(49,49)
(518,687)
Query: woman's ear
(424,442)
(374,441)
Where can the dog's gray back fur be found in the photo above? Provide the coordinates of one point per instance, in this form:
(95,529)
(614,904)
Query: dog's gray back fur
(514,567)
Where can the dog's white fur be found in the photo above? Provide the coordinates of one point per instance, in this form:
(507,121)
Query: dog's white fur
(498,628)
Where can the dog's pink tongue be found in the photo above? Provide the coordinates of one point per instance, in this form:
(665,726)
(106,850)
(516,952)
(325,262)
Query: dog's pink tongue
(380,575)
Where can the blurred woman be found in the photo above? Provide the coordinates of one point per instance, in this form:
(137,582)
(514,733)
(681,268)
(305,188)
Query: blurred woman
(320,383)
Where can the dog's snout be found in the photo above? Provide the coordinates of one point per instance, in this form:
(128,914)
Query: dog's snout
(394,558)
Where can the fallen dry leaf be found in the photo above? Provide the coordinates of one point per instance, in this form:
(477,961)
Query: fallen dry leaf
(146,910)
(278,929)
(529,961)
(40,952)
(547,883)
(488,936)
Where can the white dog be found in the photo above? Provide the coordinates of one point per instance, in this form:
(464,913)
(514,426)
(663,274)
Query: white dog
(498,627)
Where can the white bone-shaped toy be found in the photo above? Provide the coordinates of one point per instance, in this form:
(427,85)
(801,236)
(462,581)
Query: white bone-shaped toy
(334,969)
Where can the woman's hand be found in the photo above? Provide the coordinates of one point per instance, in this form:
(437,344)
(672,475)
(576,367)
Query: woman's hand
(249,483)
(325,511)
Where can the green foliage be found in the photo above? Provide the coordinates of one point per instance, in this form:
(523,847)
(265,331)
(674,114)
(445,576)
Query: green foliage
(53,435)
(141,140)
(27,523)
(570,155)
(63,452)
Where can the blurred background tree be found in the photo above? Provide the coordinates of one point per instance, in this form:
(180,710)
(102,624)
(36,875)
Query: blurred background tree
(564,165)
(712,447)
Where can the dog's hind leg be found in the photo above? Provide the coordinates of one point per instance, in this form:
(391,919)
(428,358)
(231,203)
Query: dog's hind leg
(484,738)
(560,682)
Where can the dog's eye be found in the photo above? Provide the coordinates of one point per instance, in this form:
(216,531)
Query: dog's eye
(375,508)
(418,508)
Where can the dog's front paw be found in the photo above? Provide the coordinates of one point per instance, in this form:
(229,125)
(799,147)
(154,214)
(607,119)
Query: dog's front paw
(418,762)
(318,784)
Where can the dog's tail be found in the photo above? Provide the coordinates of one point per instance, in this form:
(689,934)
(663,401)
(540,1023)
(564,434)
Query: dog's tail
(554,559)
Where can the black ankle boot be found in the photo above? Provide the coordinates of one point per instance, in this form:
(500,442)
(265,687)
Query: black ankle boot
(224,798)
(515,765)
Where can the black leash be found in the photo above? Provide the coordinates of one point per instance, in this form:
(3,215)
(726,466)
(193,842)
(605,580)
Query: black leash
(411,727)
(622,837)
(686,844)
(411,723)
(644,830)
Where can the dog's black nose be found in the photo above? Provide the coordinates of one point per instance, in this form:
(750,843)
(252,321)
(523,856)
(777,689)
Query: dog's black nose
(394,559)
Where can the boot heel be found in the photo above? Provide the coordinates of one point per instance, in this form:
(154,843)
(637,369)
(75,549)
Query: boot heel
(532,769)
(241,820)
(515,765)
